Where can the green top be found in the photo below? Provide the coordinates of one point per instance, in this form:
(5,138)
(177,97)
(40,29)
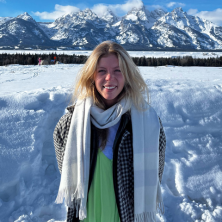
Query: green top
(101,205)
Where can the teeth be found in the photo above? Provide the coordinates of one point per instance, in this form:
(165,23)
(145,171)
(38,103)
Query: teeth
(112,87)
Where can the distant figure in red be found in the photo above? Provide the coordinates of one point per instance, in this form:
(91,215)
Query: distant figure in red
(39,61)
(54,59)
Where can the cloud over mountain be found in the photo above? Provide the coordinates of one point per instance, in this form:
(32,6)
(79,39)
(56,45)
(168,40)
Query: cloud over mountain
(175,4)
(213,16)
(99,9)
(59,11)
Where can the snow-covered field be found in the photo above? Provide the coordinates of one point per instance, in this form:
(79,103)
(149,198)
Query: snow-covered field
(188,100)
(155,54)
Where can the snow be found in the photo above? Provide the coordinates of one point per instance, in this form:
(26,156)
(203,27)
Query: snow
(188,101)
(131,17)
(117,24)
(27,17)
(37,33)
(4,19)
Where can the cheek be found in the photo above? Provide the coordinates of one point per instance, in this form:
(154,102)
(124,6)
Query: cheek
(122,81)
(98,83)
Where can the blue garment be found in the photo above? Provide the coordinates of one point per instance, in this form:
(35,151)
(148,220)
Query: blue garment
(108,150)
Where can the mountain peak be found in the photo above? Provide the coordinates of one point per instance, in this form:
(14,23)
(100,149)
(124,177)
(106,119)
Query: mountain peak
(178,12)
(87,10)
(178,9)
(109,16)
(134,10)
(25,16)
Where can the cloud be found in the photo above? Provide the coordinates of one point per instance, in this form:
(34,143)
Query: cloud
(118,9)
(124,8)
(3,1)
(59,11)
(192,11)
(213,16)
(100,9)
(128,5)
(175,4)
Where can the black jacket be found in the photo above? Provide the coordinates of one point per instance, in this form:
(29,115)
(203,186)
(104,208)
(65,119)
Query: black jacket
(123,174)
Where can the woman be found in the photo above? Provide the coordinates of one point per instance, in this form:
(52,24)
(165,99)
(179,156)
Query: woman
(110,146)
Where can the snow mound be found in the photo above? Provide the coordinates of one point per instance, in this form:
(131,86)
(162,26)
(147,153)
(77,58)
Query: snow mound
(188,101)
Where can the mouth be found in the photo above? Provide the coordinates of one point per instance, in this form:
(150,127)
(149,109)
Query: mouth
(109,87)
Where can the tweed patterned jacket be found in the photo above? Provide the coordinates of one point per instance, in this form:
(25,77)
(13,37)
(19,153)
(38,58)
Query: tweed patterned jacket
(123,174)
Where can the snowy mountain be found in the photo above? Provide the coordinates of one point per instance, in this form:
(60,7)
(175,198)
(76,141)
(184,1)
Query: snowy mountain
(139,29)
(20,32)
(82,28)
(134,28)
(177,28)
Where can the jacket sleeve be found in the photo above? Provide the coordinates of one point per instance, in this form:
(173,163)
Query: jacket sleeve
(162,148)
(60,138)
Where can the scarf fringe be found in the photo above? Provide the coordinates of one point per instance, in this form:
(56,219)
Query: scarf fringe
(159,201)
(145,217)
(72,197)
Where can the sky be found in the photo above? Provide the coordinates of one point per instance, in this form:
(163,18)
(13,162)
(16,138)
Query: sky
(48,11)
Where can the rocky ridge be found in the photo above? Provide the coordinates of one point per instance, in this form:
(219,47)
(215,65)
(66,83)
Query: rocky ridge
(139,29)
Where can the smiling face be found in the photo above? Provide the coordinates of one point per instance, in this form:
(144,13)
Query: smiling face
(109,80)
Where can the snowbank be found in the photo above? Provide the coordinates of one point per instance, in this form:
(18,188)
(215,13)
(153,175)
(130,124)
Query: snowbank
(188,100)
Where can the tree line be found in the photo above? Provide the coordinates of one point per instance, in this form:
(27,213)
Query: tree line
(32,59)
(178,61)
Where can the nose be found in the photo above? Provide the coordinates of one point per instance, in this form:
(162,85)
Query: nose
(108,76)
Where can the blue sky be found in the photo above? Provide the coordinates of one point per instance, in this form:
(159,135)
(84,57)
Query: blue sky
(49,10)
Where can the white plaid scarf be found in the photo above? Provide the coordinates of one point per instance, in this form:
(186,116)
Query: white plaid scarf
(75,169)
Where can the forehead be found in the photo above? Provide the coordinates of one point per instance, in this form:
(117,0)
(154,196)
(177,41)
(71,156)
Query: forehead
(110,60)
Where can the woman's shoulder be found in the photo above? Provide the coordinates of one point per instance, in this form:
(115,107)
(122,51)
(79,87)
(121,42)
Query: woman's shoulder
(70,109)
(66,118)
(63,125)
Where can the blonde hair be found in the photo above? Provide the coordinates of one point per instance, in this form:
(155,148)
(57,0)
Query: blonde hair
(135,87)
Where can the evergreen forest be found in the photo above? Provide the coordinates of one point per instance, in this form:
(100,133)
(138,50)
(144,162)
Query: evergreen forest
(32,59)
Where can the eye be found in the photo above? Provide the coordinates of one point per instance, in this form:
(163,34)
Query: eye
(100,71)
(117,70)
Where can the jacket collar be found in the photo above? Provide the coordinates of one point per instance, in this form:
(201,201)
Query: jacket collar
(71,109)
